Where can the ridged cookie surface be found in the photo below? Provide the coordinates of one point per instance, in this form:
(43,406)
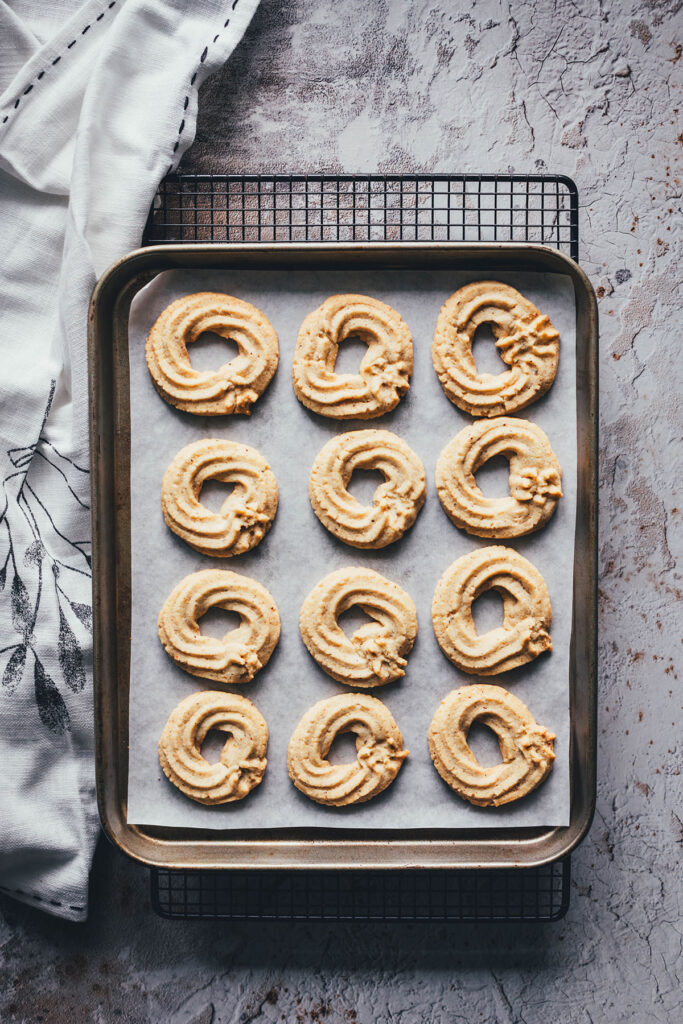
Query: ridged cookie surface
(385,369)
(234,386)
(525,746)
(535,478)
(237,656)
(396,502)
(246,514)
(379,747)
(525,339)
(525,632)
(376,652)
(242,761)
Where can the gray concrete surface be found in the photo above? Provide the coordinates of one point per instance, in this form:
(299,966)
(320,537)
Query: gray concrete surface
(591,89)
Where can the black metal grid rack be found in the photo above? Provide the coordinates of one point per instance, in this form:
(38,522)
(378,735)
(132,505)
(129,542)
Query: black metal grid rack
(366,208)
(490,895)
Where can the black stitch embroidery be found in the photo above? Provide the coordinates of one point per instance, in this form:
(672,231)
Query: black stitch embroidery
(192,81)
(57,59)
(42,899)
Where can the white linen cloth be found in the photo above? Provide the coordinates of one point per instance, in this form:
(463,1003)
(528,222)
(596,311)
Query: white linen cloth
(98,103)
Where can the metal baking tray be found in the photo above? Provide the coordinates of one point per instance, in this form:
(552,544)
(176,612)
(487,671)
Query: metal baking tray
(112,573)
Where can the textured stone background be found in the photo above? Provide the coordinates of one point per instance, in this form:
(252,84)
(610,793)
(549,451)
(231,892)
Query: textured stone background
(591,89)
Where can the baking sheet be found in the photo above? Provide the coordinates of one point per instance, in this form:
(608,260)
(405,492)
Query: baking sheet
(298,552)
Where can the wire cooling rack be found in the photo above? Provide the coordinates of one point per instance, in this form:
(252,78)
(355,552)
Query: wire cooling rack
(490,895)
(366,208)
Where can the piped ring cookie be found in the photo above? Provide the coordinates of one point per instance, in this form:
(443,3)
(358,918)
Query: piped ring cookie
(379,747)
(535,478)
(396,503)
(236,657)
(243,757)
(525,746)
(384,370)
(375,654)
(525,338)
(234,386)
(525,632)
(246,514)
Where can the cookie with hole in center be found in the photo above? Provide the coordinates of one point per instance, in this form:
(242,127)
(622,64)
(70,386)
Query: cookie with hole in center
(525,339)
(379,750)
(234,386)
(385,369)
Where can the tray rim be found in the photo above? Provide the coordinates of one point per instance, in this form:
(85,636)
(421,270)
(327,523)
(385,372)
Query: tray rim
(314,848)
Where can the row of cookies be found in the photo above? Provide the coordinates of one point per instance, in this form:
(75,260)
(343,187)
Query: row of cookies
(376,653)
(526,340)
(527,748)
(249,510)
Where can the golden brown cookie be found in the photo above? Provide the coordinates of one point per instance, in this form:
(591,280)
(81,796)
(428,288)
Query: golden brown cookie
(246,514)
(535,478)
(525,746)
(243,757)
(525,632)
(233,387)
(525,338)
(384,370)
(376,653)
(397,500)
(236,657)
(378,742)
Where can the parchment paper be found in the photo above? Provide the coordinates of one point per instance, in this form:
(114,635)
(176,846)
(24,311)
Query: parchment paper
(298,552)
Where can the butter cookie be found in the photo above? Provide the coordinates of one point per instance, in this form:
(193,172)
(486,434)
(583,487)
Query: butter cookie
(379,747)
(376,653)
(243,757)
(525,338)
(525,746)
(535,478)
(234,386)
(385,369)
(525,632)
(236,657)
(246,514)
(397,500)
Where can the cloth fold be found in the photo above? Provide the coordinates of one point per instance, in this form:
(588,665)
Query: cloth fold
(91,121)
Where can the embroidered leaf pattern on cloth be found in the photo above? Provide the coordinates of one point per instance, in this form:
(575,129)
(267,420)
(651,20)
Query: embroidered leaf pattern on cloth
(42,567)
(11,677)
(84,613)
(51,706)
(21,606)
(70,657)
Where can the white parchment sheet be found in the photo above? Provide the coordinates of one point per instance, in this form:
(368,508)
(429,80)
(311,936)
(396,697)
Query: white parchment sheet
(298,552)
